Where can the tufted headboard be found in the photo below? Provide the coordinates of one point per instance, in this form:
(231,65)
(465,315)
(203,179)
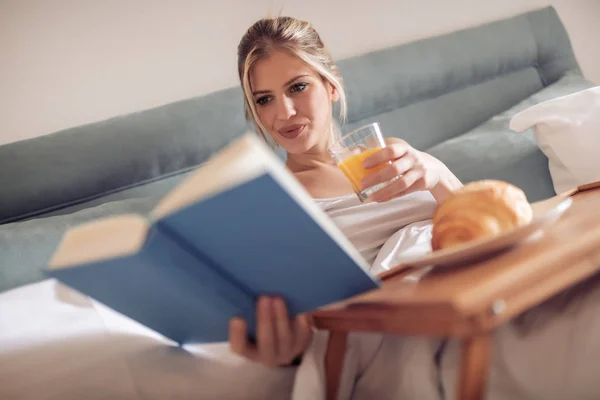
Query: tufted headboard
(427,92)
(435,89)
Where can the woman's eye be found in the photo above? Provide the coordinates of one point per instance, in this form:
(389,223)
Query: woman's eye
(261,101)
(298,87)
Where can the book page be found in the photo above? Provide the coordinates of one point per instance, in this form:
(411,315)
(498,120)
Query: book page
(103,239)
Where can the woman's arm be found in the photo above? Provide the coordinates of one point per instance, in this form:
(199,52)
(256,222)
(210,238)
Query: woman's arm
(447,181)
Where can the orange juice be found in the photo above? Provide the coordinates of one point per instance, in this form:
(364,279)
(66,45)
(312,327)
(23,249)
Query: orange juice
(353,168)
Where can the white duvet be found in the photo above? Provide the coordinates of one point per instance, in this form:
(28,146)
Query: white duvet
(55,345)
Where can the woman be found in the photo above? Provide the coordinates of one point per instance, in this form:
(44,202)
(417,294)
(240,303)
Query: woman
(290,84)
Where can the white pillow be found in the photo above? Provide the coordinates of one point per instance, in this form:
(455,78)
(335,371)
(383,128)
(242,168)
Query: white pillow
(567,131)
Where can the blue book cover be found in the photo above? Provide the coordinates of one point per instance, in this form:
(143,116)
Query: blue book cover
(262,238)
(239,227)
(165,288)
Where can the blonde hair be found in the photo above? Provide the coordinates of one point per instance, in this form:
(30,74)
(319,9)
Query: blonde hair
(293,35)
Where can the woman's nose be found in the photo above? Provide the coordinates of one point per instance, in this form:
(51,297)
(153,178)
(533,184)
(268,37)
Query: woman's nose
(285,108)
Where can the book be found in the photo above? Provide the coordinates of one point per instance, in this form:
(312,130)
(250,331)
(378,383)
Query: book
(238,227)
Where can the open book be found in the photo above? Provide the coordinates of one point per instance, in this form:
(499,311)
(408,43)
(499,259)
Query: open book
(238,227)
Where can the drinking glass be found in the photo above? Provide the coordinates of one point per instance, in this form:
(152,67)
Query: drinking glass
(352,149)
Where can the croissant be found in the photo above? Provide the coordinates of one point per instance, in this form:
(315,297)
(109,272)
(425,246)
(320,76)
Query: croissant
(479,210)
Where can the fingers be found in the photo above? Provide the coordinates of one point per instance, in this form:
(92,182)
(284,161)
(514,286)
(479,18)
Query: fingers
(285,339)
(389,153)
(395,169)
(302,334)
(408,170)
(278,339)
(265,332)
(238,339)
(293,337)
(411,181)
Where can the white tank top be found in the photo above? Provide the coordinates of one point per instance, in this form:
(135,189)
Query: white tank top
(399,224)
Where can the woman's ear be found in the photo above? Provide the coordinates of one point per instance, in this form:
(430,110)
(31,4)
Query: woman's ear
(333,93)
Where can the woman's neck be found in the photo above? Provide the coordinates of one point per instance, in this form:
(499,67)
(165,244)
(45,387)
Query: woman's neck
(315,158)
(306,162)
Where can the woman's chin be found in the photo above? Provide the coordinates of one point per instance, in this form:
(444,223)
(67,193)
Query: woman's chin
(295,146)
(300,145)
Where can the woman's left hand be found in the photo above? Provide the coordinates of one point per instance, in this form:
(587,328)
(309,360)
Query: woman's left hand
(415,171)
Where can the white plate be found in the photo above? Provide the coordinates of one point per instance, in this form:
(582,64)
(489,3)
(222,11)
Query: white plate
(544,214)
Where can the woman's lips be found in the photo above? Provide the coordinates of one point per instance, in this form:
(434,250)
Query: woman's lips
(292,131)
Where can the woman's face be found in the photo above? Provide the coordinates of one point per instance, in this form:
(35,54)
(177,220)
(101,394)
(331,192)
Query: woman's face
(293,102)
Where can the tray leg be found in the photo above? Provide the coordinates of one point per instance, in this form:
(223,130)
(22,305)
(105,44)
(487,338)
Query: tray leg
(476,356)
(334,361)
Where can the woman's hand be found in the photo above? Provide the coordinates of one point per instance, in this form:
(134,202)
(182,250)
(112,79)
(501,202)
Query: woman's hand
(279,340)
(414,170)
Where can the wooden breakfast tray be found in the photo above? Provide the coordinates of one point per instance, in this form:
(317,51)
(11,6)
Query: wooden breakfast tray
(467,302)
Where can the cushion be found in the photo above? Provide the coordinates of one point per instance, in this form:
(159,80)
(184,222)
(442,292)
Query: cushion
(493,151)
(567,130)
(27,246)
(129,152)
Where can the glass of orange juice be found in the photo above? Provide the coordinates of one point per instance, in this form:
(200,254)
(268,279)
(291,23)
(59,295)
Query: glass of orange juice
(352,149)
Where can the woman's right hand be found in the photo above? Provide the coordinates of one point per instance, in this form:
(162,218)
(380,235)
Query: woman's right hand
(279,340)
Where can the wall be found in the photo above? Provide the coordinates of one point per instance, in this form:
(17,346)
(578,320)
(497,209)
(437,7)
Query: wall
(69,62)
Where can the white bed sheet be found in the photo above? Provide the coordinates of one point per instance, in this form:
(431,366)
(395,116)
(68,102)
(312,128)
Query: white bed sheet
(55,344)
